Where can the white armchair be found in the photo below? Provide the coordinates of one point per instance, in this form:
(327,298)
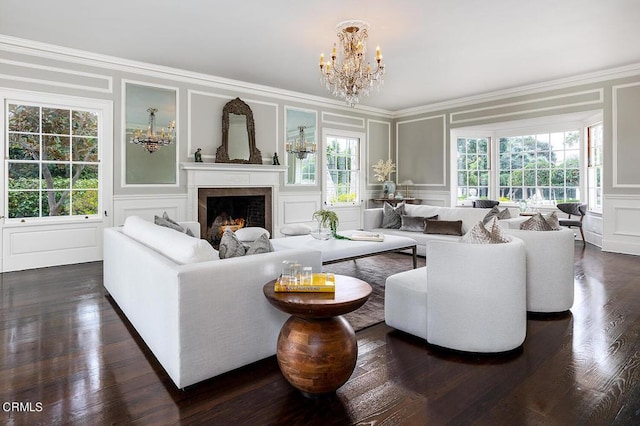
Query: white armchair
(472,297)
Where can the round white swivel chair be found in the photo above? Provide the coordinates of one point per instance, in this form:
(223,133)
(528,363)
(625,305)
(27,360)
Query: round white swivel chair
(470,297)
(550,261)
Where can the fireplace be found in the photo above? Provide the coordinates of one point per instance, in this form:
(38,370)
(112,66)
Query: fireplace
(219,208)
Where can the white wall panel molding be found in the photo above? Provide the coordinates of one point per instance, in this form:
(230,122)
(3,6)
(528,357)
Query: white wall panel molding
(37,246)
(74,56)
(147,206)
(415,152)
(621,225)
(432,198)
(54,76)
(542,104)
(616,137)
(342,120)
(370,160)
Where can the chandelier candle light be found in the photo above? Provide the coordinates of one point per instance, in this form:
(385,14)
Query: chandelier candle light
(300,148)
(352,77)
(151,140)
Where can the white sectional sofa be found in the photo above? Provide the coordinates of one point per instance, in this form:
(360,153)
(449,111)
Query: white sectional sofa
(199,317)
(372,221)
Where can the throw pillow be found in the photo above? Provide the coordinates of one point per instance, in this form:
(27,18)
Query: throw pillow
(295,229)
(496,212)
(251,233)
(392,216)
(444,227)
(552,220)
(414,223)
(536,222)
(490,234)
(167,222)
(230,245)
(261,245)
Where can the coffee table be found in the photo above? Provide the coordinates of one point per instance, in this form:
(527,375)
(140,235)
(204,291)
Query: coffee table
(317,348)
(334,251)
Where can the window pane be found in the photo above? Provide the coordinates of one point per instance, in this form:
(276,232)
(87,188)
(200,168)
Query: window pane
(462,144)
(86,149)
(23,175)
(55,203)
(55,148)
(84,123)
(24,118)
(24,147)
(530,177)
(55,176)
(87,176)
(24,204)
(462,162)
(85,202)
(543,178)
(55,121)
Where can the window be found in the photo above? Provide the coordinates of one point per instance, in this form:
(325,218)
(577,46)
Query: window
(473,168)
(52,161)
(540,168)
(343,169)
(594,167)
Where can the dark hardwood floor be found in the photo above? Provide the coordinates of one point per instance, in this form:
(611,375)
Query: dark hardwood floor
(69,356)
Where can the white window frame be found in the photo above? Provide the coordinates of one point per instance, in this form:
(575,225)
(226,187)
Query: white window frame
(104,150)
(518,128)
(326,133)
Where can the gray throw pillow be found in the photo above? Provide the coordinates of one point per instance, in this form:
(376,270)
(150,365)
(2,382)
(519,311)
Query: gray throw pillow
(260,245)
(415,223)
(496,212)
(167,222)
(392,216)
(490,234)
(536,223)
(230,246)
(444,227)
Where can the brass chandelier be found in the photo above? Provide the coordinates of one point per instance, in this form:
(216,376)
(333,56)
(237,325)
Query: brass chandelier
(352,77)
(300,147)
(150,140)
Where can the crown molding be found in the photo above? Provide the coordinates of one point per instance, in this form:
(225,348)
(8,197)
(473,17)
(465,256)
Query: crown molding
(83,57)
(65,54)
(594,77)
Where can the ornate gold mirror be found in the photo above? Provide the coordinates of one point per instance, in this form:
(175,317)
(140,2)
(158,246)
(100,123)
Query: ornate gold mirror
(238,135)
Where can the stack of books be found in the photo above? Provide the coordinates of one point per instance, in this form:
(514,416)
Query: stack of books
(320,283)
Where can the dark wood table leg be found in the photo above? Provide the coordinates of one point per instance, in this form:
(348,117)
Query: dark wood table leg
(415,257)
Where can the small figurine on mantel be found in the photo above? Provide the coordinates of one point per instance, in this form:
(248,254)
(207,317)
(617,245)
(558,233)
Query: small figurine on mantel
(198,155)
(276,161)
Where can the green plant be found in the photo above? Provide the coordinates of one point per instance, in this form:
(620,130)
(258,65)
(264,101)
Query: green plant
(327,218)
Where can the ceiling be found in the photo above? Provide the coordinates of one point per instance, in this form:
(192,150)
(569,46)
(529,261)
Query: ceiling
(434,50)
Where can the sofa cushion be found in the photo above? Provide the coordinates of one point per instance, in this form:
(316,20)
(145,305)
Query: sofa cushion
(392,216)
(492,233)
(496,212)
(178,247)
(538,222)
(444,227)
(230,245)
(167,222)
(262,244)
(421,210)
(415,223)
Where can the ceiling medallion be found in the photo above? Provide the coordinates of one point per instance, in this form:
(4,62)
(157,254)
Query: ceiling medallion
(351,77)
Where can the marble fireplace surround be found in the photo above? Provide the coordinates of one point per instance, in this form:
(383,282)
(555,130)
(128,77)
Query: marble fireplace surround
(230,177)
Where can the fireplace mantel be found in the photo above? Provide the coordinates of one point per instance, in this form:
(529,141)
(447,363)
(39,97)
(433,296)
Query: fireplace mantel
(222,175)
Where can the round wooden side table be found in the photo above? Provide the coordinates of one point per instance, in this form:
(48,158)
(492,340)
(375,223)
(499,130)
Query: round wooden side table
(317,348)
